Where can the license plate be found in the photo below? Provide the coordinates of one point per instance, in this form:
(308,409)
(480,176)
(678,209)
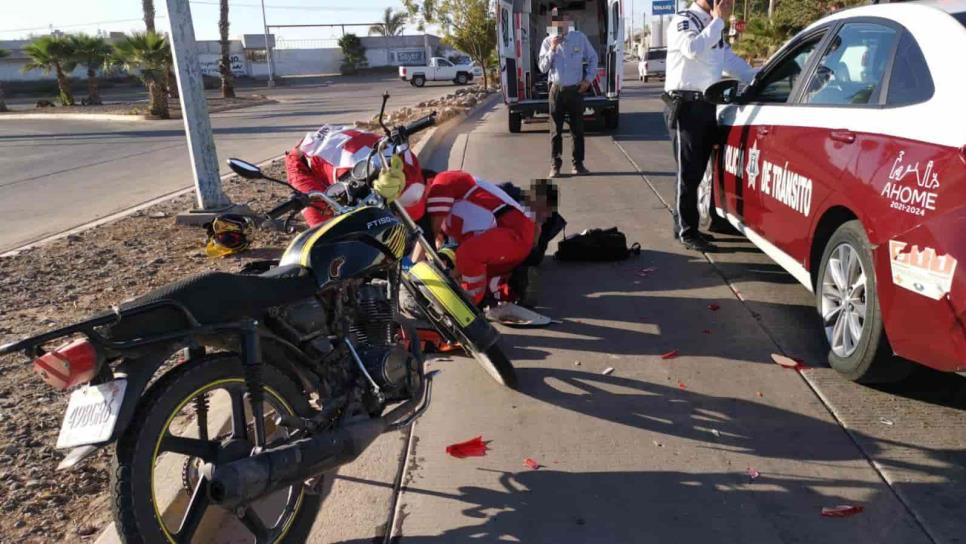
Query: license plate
(91,414)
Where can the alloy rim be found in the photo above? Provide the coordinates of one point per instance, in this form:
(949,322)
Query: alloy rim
(844,300)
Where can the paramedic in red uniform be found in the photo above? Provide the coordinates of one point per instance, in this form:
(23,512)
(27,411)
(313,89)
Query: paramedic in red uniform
(493,232)
(326,154)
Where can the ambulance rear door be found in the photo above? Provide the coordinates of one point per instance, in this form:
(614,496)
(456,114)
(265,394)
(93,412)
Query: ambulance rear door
(615,48)
(507,47)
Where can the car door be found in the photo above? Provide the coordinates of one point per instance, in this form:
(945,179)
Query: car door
(445,69)
(753,136)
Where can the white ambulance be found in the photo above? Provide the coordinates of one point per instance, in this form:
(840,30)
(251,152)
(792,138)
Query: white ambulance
(521,27)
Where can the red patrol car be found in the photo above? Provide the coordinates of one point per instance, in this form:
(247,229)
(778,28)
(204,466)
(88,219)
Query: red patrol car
(845,162)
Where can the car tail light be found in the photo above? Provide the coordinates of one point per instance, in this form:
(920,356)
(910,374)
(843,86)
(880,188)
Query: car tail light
(71,364)
(404,71)
(645,66)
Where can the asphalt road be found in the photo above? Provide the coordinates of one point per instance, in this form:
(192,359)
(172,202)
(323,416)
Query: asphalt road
(659,450)
(57,174)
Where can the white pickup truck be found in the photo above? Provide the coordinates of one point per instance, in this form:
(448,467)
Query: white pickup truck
(439,69)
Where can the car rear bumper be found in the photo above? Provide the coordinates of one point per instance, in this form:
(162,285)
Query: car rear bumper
(528,107)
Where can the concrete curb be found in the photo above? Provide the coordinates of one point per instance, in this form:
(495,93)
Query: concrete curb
(427,146)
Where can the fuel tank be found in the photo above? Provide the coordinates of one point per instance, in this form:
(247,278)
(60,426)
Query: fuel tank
(349,246)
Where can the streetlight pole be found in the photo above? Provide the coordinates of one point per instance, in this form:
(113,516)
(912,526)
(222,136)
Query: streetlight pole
(194,111)
(268,49)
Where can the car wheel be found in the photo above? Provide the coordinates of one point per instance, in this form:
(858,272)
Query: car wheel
(516,122)
(708,218)
(848,305)
(461,79)
(419,81)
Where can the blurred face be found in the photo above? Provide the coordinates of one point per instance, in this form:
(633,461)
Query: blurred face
(560,25)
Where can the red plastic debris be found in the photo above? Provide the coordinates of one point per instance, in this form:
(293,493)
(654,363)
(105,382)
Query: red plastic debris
(841,511)
(681,385)
(714,307)
(706,331)
(670,355)
(474,447)
(531,464)
(753,473)
(788,362)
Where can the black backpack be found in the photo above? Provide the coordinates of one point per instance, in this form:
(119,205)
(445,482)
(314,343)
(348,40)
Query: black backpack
(596,245)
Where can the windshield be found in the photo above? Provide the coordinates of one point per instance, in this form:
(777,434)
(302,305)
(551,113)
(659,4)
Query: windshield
(656,54)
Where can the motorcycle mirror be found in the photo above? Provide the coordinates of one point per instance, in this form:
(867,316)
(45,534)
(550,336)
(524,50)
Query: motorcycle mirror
(382,113)
(245,169)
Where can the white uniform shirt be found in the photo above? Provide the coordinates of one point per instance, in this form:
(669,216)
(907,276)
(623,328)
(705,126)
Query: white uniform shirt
(697,53)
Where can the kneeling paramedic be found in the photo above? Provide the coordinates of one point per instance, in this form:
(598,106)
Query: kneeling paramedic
(323,156)
(491,232)
(697,54)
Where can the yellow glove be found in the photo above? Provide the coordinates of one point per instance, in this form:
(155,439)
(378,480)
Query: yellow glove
(391,181)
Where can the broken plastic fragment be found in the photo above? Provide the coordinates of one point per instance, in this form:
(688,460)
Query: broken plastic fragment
(681,385)
(753,474)
(670,355)
(531,464)
(658,444)
(716,433)
(607,370)
(576,363)
(886,421)
(788,362)
(841,511)
(714,307)
(474,447)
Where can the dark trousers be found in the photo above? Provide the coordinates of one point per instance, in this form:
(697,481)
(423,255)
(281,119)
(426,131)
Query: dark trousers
(692,140)
(566,102)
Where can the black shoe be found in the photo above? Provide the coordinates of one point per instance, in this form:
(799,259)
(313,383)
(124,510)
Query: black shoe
(579,170)
(703,236)
(554,172)
(696,243)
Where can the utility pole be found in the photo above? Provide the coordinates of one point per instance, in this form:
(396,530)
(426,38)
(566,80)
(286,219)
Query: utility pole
(194,111)
(771,9)
(268,50)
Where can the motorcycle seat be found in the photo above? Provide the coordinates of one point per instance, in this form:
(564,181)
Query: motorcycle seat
(213,297)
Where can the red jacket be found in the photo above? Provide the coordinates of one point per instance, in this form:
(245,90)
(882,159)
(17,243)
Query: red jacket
(329,152)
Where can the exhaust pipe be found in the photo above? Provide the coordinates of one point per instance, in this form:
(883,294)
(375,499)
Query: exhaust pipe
(252,477)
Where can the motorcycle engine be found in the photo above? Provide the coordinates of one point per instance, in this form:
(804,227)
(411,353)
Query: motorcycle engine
(377,340)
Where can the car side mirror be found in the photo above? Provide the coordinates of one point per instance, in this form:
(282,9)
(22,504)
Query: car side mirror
(245,169)
(723,92)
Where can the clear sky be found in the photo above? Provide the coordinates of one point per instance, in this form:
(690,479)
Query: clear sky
(18,18)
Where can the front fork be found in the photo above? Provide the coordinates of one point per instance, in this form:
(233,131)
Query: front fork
(252,364)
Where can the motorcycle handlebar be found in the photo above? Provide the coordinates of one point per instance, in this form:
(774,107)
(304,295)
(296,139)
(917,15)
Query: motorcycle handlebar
(294,204)
(420,124)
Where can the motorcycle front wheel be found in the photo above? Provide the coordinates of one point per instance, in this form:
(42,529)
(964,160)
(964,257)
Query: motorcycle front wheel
(439,301)
(195,414)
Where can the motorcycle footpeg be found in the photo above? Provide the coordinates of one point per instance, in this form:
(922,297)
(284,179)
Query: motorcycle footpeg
(296,423)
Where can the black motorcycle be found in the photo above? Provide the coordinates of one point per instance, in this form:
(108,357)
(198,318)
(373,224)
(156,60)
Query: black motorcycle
(230,396)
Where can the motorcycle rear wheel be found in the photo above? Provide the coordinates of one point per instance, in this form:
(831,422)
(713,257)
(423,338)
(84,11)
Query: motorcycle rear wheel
(169,439)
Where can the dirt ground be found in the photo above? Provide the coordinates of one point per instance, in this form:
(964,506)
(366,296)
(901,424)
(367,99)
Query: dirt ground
(66,280)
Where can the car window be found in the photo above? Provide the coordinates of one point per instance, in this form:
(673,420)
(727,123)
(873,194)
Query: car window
(910,82)
(777,83)
(444,62)
(657,55)
(853,67)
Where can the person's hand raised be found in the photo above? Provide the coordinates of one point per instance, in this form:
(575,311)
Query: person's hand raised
(722,9)
(555,41)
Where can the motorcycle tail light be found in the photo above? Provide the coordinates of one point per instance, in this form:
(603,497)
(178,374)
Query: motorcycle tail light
(71,364)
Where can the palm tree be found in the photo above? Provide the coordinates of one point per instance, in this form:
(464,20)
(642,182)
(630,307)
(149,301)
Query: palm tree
(147,6)
(3,105)
(227,81)
(148,53)
(53,53)
(393,24)
(92,52)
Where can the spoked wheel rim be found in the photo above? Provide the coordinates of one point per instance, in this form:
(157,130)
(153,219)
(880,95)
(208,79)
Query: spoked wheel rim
(189,439)
(844,303)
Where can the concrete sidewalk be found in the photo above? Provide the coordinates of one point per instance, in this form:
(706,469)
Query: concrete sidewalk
(659,450)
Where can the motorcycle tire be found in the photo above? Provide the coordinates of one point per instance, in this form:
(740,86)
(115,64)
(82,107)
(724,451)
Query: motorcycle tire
(167,417)
(489,356)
